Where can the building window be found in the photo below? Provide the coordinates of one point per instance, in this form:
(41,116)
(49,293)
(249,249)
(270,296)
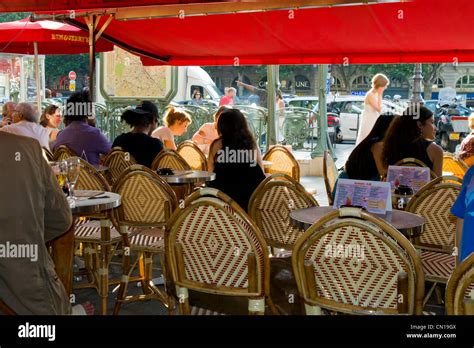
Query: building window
(439,83)
(337,84)
(399,82)
(361,82)
(467,81)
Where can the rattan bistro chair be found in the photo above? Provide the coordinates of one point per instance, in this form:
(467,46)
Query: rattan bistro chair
(147,203)
(168,158)
(117,161)
(215,249)
(283,162)
(460,289)
(99,240)
(434,201)
(193,156)
(270,206)
(454,165)
(330,175)
(62,153)
(353,262)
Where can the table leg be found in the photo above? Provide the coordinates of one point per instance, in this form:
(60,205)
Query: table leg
(62,253)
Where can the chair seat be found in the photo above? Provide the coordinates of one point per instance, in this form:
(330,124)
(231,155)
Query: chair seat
(437,266)
(89,231)
(203,311)
(147,239)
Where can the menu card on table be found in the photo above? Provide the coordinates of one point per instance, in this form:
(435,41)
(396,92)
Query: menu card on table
(414,177)
(374,196)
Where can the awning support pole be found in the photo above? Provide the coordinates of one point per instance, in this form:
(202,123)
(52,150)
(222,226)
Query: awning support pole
(37,77)
(272,78)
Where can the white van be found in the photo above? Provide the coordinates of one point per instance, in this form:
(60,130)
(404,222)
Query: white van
(195,77)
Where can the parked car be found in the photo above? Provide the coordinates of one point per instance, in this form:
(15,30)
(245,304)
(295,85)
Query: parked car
(301,102)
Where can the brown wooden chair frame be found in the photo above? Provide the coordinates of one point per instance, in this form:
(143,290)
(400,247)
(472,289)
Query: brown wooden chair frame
(460,280)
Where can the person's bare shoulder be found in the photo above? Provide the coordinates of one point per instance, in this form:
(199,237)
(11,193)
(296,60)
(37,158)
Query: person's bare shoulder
(435,149)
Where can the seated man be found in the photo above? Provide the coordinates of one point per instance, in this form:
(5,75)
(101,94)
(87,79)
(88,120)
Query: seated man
(7,113)
(25,122)
(86,141)
(33,210)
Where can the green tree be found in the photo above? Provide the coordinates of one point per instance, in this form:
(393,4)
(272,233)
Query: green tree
(12,16)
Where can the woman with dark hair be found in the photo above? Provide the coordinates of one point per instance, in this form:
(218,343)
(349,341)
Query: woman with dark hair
(208,132)
(51,119)
(138,142)
(365,161)
(411,135)
(235,158)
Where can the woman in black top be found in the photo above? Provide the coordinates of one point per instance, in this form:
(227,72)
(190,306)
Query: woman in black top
(365,161)
(138,142)
(411,135)
(235,158)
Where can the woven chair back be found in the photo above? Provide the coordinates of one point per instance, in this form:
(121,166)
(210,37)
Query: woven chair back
(214,247)
(62,153)
(147,200)
(117,161)
(193,156)
(434,201)
(454,165)
(352,262)
(283,161)
(270,207)
(169,159)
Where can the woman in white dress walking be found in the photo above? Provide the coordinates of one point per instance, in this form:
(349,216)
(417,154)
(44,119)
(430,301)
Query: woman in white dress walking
(372,106)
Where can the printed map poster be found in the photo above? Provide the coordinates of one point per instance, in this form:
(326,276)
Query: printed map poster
(374,196)
(414,177)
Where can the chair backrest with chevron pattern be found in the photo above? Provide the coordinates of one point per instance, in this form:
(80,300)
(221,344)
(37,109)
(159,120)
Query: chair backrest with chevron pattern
(117,161)
(352,262)
(147,200)
(62,153)
(460,289)
(193,156)
(454,165)
(270,206)
(214,247)
(168,158)
(434,201)
(283,161)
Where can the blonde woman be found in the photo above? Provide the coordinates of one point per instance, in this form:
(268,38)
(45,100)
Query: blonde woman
(372,106)
(176,124)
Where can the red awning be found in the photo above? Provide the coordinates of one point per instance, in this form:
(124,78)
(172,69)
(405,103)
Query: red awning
(418,31)
(52,38)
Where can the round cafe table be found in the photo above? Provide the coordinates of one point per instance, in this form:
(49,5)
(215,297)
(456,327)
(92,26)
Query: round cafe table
(87,202)
(411,225)
(182,179)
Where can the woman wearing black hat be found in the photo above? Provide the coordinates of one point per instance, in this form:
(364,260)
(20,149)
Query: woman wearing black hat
(138,142)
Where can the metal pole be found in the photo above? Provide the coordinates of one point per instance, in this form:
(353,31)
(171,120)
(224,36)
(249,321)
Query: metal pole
(322,144)
(91,25)
(37,77)
(417,78)
(272,76)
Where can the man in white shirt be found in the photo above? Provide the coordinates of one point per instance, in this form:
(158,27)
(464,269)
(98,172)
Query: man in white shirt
(25,122)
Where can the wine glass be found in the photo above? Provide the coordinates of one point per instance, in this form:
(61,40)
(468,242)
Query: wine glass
(59,170)
(73,167)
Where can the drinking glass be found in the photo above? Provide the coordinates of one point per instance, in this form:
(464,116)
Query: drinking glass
(59,170)
(73,167)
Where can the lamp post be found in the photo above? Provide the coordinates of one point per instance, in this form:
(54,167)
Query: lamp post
(417,78)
